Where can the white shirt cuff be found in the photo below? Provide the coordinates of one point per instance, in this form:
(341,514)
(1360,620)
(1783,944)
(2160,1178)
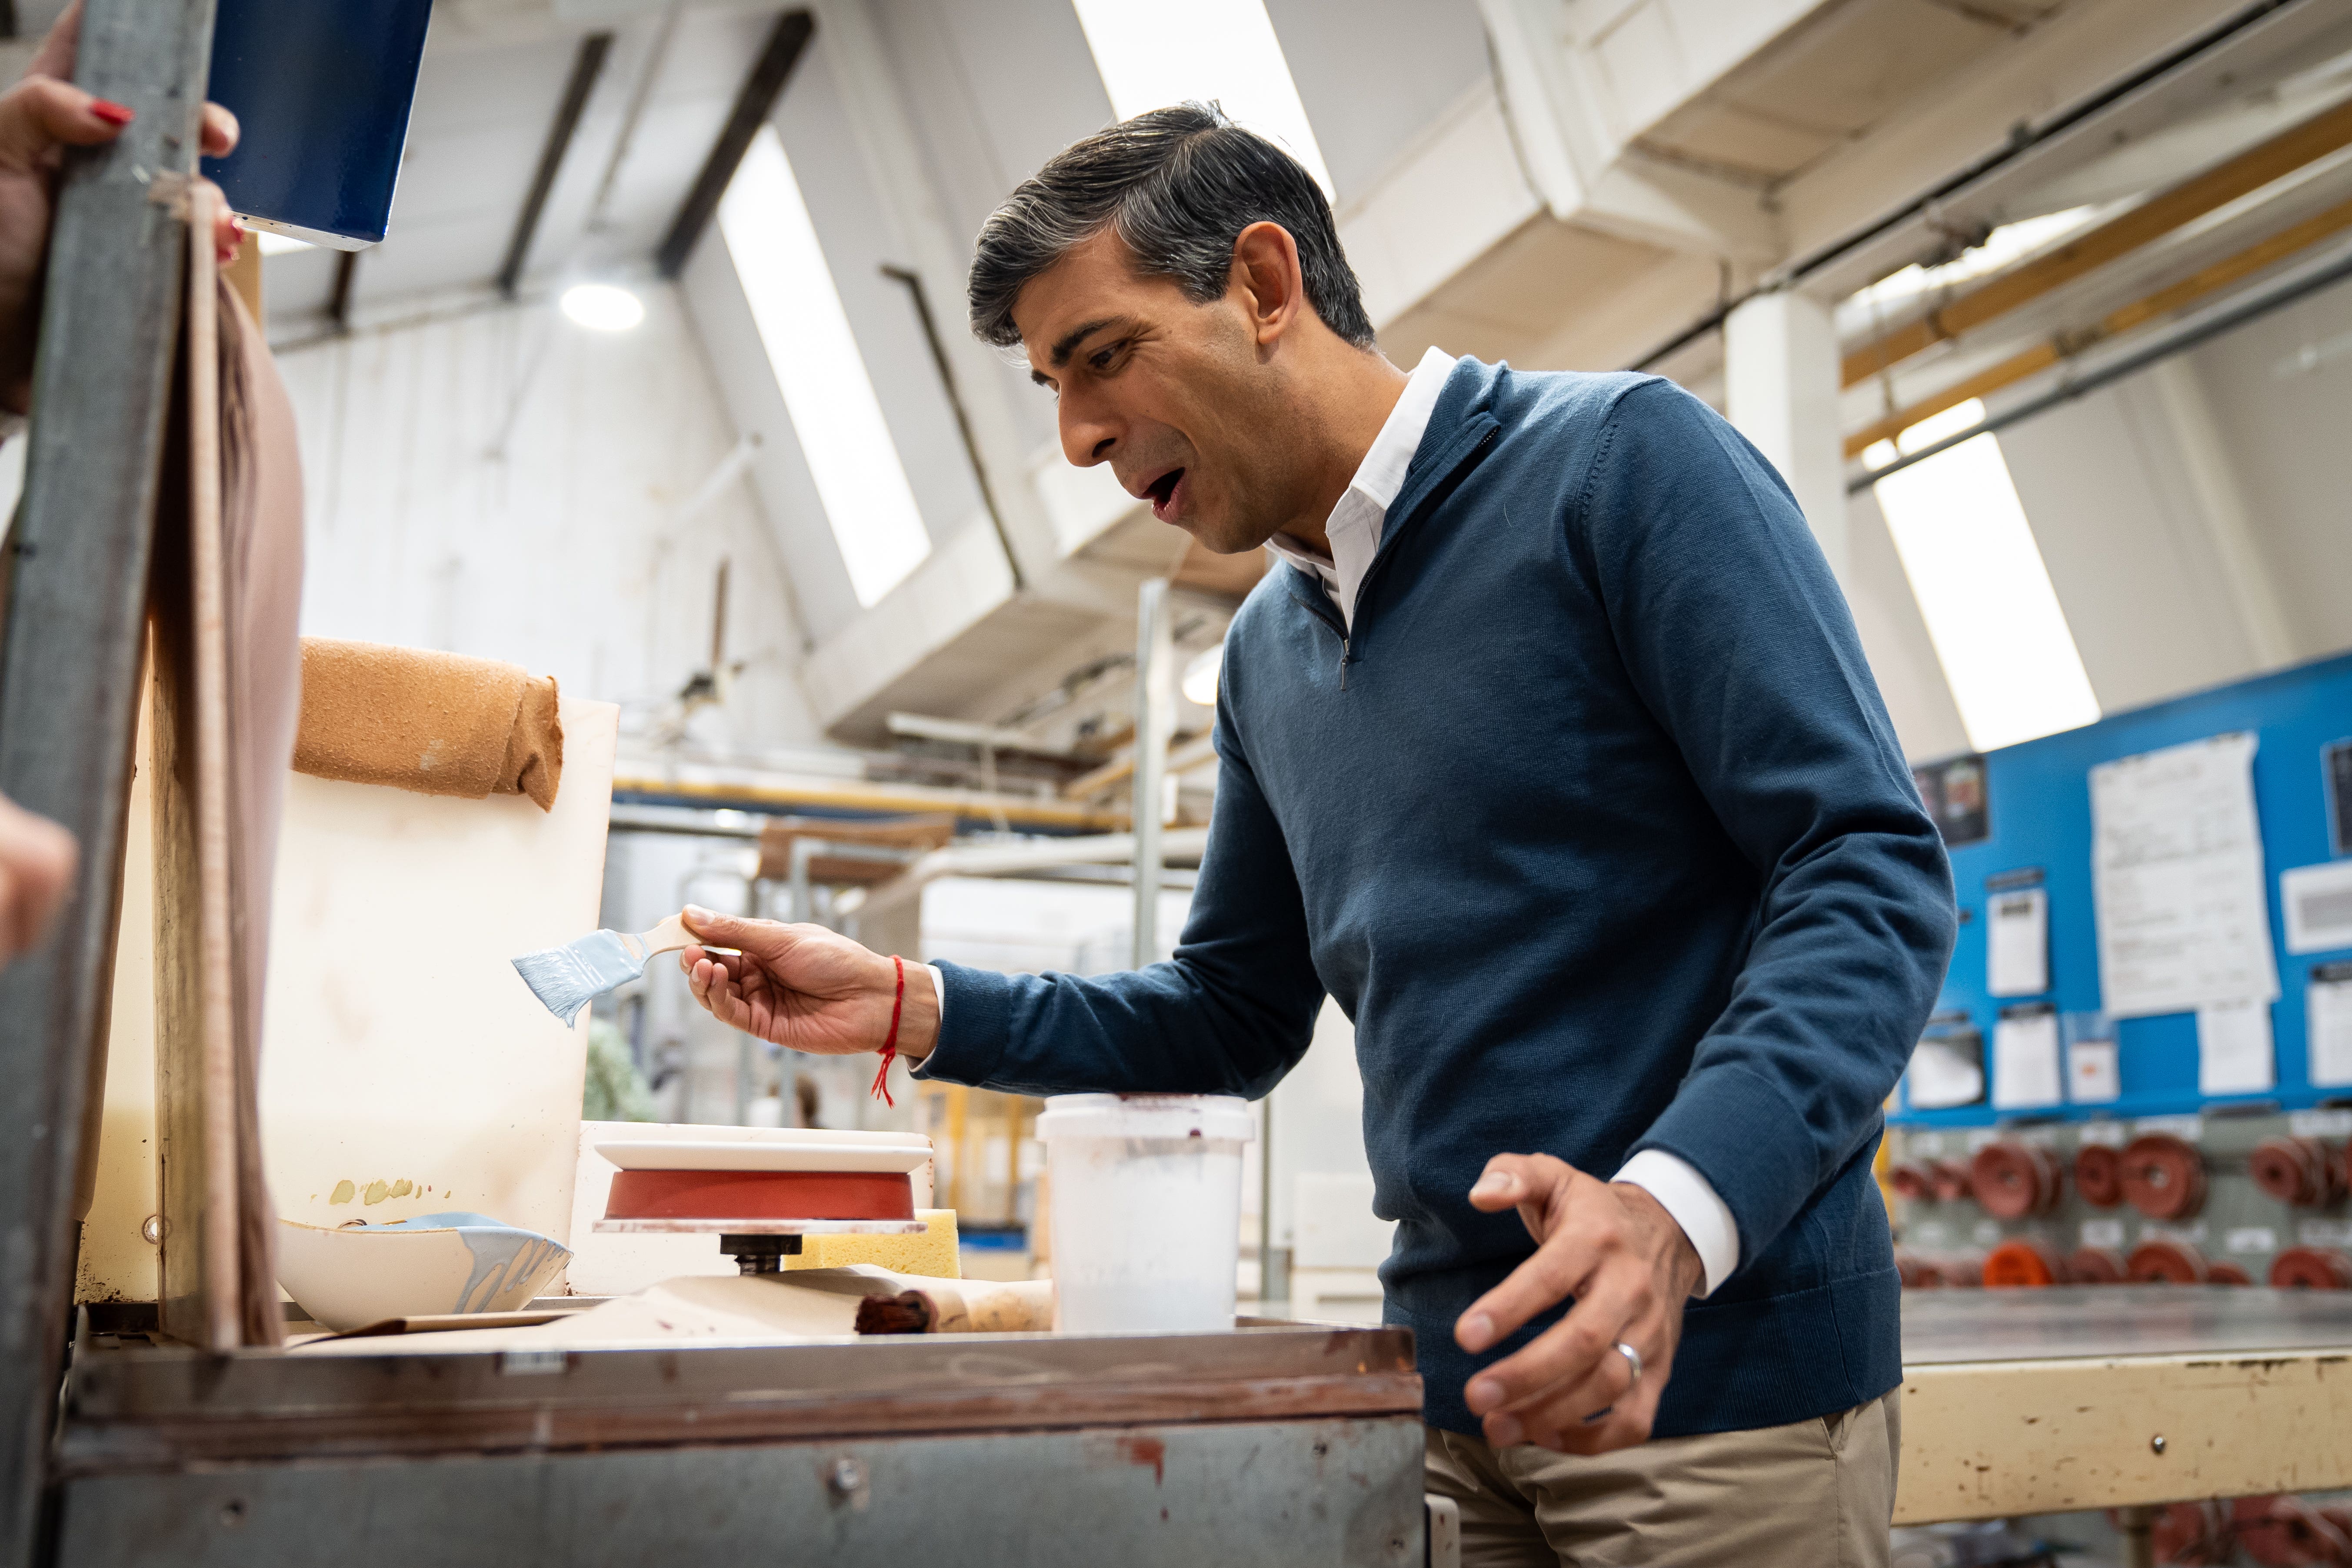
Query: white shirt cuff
(940,990)
(1695,1206)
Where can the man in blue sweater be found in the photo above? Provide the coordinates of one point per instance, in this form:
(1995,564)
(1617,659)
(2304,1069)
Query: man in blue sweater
(1550,753)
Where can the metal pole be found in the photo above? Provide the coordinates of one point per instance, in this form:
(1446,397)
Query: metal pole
(1155,722)
(2133,1526)
(75,592)
(806,853)
(1273,1262)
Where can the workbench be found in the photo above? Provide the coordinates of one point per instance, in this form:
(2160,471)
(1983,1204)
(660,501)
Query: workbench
(1286,1446)
(2019,1402)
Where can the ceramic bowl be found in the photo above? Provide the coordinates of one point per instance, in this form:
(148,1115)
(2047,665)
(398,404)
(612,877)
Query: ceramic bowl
(431,1264)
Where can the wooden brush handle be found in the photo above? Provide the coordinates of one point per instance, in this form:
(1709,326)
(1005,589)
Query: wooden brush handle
(668,936)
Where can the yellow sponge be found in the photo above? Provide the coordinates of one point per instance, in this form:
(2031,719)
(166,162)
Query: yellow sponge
(931,1255)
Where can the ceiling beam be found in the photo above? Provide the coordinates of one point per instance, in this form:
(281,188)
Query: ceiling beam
(587,65)
(339,302)
(786,42)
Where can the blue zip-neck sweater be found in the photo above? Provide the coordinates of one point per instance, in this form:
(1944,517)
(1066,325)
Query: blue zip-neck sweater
(1596,829)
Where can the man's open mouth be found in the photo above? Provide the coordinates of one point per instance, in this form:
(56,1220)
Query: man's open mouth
(1162,491)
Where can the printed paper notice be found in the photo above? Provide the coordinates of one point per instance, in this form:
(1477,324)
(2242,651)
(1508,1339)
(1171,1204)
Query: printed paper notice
(2025,1062)
(1947,1072)
(2234,1049)
(2177,856)
(2327,1024)
(2017,950)
(2094,1077)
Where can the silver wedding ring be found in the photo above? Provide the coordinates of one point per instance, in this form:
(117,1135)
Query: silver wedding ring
(1632,1359)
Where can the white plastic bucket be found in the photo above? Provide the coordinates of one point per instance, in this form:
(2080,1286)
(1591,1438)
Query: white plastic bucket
(1146,1202)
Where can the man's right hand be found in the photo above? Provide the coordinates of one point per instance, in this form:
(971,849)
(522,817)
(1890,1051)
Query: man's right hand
(806,988)
(37,861)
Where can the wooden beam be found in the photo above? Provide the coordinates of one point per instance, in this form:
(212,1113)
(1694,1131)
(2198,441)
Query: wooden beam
(1051,816)
(786,43)
(2217,187)
(587,65)
(69,659)
(2139,312)
(1192,753)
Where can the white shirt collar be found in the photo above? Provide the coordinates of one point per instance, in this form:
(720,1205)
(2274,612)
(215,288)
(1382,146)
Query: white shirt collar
(1357,521)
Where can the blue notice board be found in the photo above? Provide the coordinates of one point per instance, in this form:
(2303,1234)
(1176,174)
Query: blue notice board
(2037,797)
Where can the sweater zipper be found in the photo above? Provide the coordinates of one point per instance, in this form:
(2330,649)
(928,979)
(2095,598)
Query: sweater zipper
(1388,541)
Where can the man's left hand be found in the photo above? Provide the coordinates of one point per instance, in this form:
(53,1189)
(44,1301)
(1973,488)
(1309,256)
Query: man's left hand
(1615,1249)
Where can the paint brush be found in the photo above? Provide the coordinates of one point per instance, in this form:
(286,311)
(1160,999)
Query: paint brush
(568,978)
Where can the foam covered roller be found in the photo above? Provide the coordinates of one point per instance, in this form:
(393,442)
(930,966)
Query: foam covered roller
(435,722)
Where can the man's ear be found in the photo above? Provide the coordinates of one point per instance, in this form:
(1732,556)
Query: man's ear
(1266,280)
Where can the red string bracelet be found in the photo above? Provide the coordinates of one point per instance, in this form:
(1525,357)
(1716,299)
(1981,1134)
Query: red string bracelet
(890,1041)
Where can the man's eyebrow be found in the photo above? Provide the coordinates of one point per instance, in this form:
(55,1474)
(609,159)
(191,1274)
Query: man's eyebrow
(1067,344)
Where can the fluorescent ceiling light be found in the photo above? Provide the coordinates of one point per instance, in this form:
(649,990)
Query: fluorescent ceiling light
(1200,682)
(603,307)
(1982,588)
(1151,54)
(867,501)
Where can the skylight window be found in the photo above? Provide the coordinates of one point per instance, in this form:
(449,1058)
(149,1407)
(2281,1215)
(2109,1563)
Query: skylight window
(1151,54)
(772,242)
(1991,613)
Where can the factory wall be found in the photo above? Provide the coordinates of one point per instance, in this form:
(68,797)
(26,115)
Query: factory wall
(565,553)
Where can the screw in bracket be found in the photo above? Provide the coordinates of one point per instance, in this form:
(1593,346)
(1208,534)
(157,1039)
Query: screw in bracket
(846,1480)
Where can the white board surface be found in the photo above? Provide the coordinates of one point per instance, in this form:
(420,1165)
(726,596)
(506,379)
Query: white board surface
(401,1046)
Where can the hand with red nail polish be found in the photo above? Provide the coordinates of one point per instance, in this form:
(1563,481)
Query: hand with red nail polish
(40,118)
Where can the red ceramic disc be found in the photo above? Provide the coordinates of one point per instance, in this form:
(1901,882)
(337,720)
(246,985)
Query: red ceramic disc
(2311,1268)
(2168,1263)
(1915,1183)
(2013,1180)
(2164,1177)
(761,1195)
(2023,1261)
(1950,1180)
(2099,1175)
(2296,1171)
(2097,1266)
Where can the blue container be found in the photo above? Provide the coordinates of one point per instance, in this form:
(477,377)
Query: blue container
(321,89)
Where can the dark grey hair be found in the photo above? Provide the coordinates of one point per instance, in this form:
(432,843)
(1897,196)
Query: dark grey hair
(1178,185)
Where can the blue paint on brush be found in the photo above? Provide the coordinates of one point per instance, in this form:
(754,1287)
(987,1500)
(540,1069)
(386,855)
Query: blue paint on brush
(568,978)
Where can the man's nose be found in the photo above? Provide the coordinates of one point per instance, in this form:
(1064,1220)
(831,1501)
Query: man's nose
(1087,436)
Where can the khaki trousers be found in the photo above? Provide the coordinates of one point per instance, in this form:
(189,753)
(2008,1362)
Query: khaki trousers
(1813,1494)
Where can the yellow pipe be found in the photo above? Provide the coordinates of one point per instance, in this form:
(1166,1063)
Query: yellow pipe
(1028,811)
(2123,319)
(2250,171)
